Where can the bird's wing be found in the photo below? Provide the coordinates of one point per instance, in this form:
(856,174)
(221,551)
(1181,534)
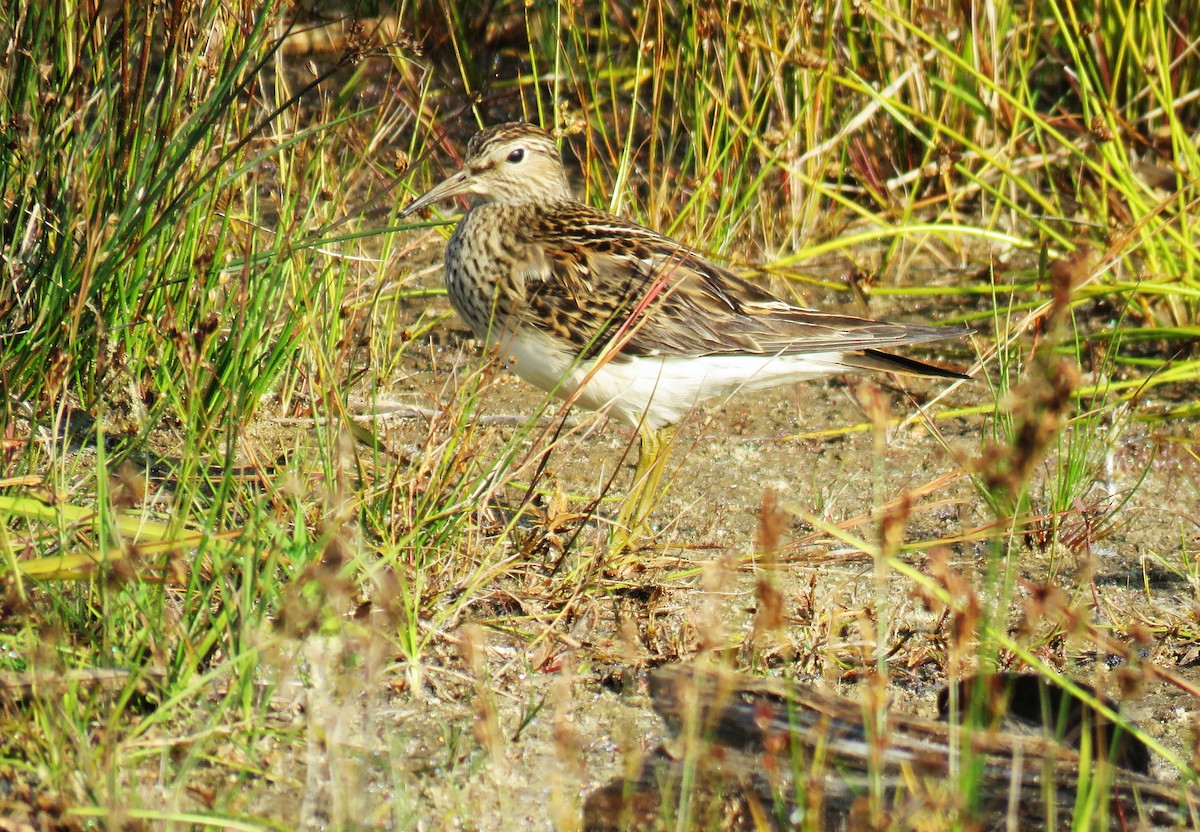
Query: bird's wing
(601,282)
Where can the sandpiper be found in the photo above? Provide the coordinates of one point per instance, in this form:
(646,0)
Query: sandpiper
(615,317)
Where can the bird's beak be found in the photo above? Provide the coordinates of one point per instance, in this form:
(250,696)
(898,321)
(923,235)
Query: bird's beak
(457,183)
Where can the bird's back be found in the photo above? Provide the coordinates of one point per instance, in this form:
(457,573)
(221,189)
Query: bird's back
(599,282)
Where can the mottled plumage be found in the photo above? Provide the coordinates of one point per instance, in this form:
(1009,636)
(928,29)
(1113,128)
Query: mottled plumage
(616,317)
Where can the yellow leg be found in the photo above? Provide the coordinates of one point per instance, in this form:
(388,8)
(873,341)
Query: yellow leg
(633,520)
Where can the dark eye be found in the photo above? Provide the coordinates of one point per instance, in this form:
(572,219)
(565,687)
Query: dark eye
(517,155)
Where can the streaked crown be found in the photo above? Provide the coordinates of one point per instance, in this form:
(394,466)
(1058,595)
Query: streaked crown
(516,162)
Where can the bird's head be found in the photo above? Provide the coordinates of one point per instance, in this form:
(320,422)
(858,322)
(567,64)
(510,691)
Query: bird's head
(506,164)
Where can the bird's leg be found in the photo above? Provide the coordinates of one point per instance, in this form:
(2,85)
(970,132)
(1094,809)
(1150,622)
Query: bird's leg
(633,520)
(661,448)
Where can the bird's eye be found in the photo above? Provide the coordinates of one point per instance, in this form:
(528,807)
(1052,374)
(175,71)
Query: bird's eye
(517,155)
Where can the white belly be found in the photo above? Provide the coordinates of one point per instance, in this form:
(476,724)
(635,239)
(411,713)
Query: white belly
(658,390)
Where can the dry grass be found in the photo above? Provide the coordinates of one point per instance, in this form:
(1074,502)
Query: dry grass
(282,549)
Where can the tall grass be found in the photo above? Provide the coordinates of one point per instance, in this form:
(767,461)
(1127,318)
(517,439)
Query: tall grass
(203,281)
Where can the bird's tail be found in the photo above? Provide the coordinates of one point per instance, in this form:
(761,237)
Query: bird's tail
(888,363)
